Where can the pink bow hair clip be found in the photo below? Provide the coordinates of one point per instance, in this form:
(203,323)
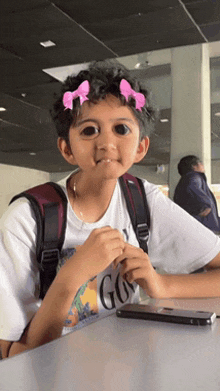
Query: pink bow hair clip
(127,91)
(80,93)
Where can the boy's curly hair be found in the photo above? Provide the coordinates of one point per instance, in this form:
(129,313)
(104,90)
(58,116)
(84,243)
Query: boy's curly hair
(104,78)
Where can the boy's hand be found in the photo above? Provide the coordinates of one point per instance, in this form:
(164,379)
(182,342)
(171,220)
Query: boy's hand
(98,252)
(136,266)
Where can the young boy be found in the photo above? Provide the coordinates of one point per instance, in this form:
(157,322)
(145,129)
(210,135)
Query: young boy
(102,118)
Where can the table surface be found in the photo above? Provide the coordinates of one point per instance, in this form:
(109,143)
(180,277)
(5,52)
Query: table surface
(116,354)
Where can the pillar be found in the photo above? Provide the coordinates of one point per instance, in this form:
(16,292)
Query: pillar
(190,110)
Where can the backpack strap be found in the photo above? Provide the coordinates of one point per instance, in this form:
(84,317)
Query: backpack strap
(49,204)
(135,197)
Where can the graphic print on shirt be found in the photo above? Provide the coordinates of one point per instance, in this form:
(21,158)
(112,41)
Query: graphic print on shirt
(98,296)
(84,304)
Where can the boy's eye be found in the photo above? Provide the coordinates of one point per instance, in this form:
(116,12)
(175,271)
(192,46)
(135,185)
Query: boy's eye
(90,132)
(122,129)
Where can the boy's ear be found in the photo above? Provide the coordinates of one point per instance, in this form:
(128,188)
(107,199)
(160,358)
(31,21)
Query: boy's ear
(142,149)
(65,151)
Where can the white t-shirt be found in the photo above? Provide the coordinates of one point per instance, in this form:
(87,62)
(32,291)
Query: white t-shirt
(178,243)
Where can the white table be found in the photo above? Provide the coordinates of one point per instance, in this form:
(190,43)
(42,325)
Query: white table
(121,355)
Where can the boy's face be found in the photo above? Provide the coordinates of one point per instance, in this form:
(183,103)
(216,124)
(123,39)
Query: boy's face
(105,141)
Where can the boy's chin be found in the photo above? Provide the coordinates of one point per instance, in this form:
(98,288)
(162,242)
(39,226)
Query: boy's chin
(107,170)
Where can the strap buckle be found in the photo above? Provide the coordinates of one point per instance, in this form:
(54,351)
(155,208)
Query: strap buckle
(142,231)
(49,259)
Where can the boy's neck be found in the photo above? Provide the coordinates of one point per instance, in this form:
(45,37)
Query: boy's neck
(86,186)
(89,198)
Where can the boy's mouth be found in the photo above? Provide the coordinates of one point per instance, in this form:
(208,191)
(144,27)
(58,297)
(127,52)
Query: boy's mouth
(105,160)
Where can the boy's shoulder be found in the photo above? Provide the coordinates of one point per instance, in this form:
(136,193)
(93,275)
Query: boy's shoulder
(150,188)
(19,210)
(18,221)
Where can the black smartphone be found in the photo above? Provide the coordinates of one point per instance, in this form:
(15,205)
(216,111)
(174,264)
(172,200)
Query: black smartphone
(165,314)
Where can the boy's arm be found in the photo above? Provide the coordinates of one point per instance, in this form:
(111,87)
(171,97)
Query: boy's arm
(98,252)
(5,347)
(136,266)
(198,285)
(47,324)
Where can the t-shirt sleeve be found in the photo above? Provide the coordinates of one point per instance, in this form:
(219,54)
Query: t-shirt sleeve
(19,281)
(178,243)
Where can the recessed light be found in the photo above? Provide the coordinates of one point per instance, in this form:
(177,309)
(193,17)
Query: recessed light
(2,109)
(32,153)
(137,65)
(47,44)
(164,120)
(217,114)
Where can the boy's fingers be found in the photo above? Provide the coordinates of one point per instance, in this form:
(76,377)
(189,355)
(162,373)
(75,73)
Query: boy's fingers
(109,232)
(131,264)
(130,252)
(117,252)
(118,260)
(133,275)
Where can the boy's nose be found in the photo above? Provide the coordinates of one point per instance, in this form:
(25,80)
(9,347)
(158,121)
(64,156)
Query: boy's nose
(106,142)
(106,146)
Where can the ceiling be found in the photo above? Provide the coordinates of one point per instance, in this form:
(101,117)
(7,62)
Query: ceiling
(83,31)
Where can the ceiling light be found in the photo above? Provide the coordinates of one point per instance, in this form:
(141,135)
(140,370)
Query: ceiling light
(47,44)
(160,168)
(32,153)
(142,65)
(217,114)
(164,120)
(137,65)
(2,109)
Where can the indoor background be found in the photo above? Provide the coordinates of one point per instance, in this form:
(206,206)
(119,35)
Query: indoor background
(41,42)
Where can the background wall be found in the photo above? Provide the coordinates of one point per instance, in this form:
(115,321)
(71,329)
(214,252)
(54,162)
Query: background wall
(16,179)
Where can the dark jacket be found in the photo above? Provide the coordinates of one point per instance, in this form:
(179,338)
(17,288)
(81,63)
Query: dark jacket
(193,194)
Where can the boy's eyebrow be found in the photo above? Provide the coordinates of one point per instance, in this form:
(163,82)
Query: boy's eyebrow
(80,122)
(124,119)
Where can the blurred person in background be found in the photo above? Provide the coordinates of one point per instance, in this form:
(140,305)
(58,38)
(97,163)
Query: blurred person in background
(193,194)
